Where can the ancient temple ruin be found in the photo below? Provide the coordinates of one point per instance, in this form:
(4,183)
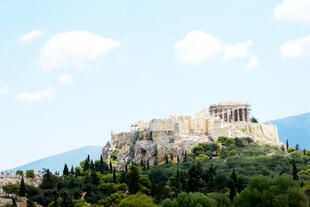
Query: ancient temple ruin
(203,122)
(180,133)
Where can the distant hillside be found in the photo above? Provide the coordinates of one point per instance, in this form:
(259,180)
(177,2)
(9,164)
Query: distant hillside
(294,128)
(57,162)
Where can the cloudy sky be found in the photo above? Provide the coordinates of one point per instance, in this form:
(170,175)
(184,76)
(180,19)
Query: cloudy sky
(72,71)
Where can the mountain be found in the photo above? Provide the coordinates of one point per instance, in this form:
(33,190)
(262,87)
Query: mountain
(57,162)
(296,129)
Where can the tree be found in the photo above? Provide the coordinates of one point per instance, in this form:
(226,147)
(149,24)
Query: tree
(114,176)
(190,200)
(19,173)
(171,156)
(287,145)
(166,159)
(138,200)
(253,120)
(148,164)
(72,170)
(294,171)
(11,190)
(111,168)
(280,191)
(30,203)
(66,170)
(22,189)
(133,180)
(195,181)
(233,185)
(30,174)
(297,147)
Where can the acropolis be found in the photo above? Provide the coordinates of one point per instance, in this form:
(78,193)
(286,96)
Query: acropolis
(180,133)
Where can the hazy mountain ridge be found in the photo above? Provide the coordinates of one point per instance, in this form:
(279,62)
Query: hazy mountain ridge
(294,128)
(56,162)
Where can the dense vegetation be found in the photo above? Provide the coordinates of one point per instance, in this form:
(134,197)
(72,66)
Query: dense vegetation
(230,172)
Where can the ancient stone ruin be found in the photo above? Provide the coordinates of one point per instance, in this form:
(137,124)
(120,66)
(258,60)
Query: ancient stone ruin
(180,133)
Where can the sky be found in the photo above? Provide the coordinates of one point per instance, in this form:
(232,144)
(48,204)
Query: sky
(73,71)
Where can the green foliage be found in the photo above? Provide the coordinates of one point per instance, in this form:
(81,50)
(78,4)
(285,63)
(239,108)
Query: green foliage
(138,200)
(208,179)
(20,173)
(290,149)
(190,200)
(10,189)
(30,174)
(263,191)
(114,155)
(226,141)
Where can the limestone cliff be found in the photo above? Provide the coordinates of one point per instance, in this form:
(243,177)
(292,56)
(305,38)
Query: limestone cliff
(144,145)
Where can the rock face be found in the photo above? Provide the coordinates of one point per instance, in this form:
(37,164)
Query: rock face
(145,145)
(178,134)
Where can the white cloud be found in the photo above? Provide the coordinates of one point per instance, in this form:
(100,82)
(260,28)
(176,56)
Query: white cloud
(29,36)
(65,79)
(253,63)
(293,10)
(239,50)
(48,94)
(296,48)
(145,75)
(4,90)
(198,46)
(74,48)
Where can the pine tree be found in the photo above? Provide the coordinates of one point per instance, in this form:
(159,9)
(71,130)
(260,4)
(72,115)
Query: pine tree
(22,189)
(66,170)
(294,171)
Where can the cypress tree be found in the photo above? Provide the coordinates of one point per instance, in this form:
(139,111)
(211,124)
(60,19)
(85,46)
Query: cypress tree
(114,176)
(66,170)
(111,169)
(126,168)
(92,166)
(297,147)
(156,160)
(22,187)
(148,164)
(101,167)
(287,145)
(233,185)
(72,170)
(171,157)
(166,159)
(178,158)
(195,182)
(133,180)
(88,158)
(304,151)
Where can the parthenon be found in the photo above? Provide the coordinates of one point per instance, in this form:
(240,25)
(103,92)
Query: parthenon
(230,111)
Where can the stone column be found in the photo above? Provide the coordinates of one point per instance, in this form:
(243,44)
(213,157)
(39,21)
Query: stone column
(238,116)
(223,115)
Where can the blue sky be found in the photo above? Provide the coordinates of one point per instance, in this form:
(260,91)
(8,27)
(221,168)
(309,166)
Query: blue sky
(72,71)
